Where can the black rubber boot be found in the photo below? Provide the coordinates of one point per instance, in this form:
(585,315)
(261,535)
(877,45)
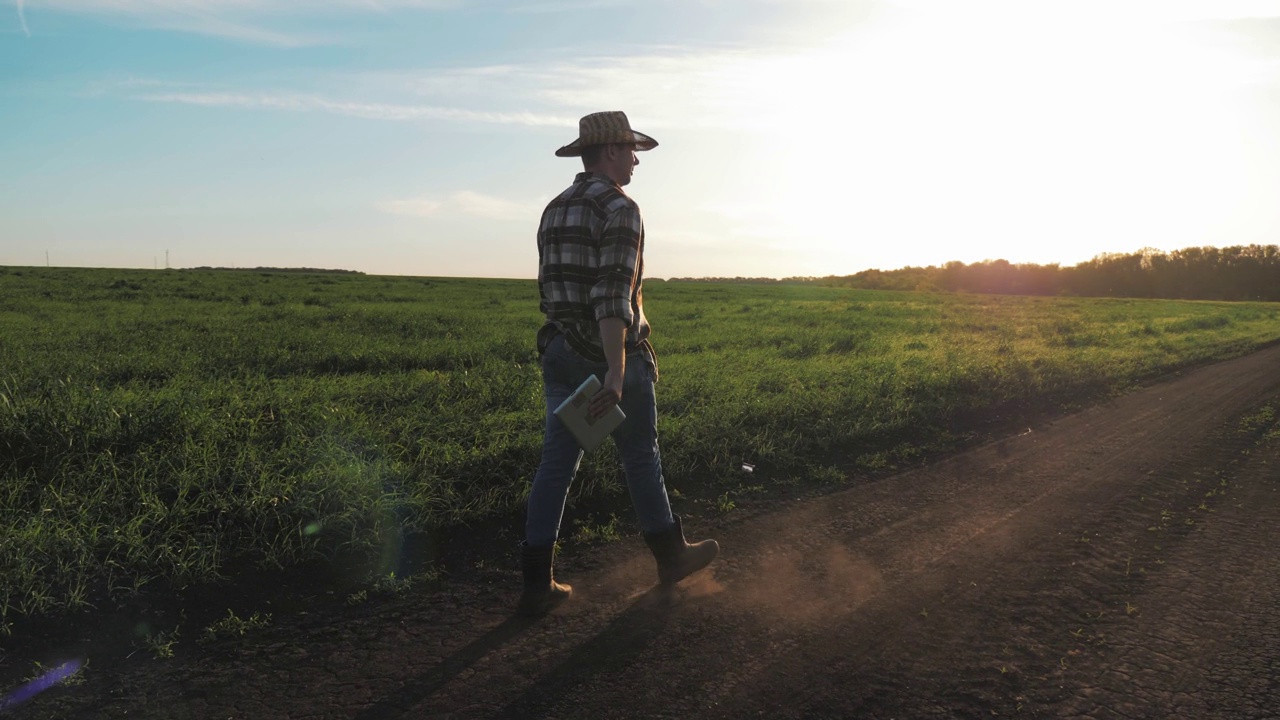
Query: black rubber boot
(541,592)
(678,559)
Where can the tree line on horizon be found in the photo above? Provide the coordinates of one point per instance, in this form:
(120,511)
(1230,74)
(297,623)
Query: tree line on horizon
(1240,272)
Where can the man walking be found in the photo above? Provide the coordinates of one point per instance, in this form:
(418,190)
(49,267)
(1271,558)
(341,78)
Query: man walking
(590,271)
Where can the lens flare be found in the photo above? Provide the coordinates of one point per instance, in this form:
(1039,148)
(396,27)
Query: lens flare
(39,685)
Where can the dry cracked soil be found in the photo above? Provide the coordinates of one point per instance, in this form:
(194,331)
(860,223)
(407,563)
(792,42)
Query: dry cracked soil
(1118,562)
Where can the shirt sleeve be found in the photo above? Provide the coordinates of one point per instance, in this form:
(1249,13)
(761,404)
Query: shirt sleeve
(620,244)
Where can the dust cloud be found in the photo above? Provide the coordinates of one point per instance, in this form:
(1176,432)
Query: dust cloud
(792,584)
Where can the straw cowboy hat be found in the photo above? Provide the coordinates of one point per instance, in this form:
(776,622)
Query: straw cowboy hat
(605,128)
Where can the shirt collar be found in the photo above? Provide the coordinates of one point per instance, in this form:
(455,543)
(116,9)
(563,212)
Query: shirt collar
(585,176)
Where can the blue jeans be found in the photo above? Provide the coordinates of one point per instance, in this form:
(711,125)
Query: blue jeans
(636,438)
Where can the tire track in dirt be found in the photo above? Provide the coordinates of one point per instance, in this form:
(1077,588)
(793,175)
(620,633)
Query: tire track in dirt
(1204,642)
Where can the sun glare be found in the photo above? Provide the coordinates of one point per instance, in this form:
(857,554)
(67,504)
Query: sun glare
(924,137)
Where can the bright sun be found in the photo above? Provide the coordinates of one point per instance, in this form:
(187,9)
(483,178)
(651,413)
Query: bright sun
(966,135)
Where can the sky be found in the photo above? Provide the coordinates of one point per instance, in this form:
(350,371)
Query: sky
(797,137)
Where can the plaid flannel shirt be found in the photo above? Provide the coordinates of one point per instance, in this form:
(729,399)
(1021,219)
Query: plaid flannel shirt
(591,266)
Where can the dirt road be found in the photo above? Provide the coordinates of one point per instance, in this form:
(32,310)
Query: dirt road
(1121,562)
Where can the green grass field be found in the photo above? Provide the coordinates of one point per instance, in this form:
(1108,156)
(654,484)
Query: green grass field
(162,427)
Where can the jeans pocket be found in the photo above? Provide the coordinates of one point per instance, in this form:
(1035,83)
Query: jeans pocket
(565,369)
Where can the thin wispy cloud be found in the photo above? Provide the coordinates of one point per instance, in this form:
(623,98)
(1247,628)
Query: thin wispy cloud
(259,7)
(670,87)
(365,110)
(215,26)
(533,8)
(666,86)
(22,18)
(250,21)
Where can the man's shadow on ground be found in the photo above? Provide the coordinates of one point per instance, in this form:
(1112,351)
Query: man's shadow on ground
(615,647)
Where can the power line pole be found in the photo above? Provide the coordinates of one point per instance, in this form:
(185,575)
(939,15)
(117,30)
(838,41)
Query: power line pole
(46,258)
